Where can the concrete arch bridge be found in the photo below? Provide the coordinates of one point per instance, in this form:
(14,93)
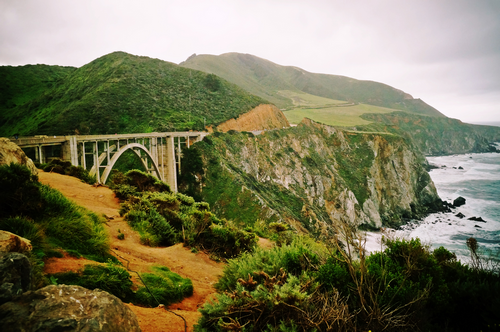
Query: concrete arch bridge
(160,153)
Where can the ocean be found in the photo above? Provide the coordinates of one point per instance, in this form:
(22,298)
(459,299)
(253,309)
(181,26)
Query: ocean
(475,177)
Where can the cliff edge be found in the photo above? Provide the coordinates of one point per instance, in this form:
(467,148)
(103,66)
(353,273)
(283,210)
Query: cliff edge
(262,117)
(311,176)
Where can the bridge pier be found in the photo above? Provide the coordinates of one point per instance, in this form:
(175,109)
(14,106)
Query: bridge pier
(159,148)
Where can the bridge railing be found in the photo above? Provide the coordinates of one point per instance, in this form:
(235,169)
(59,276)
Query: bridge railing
(161,149)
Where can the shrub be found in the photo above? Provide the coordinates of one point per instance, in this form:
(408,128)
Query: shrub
(35,210)
(19,192)
(65,168)
(110,278)
(145,182)
(274,290)
(166,287)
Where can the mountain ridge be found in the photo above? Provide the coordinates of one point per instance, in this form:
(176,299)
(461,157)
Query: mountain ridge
(265,78)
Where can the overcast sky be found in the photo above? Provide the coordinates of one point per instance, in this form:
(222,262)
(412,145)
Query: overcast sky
(446,52)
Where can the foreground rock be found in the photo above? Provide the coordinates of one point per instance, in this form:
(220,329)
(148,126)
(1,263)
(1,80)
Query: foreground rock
(11,153)
(15,276)
(12,243)
(67,308)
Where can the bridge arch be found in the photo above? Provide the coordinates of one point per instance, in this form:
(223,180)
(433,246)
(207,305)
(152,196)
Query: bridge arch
(117,155)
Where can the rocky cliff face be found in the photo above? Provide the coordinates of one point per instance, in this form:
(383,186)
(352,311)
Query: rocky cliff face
(311,176)
(436,136)
(263,117)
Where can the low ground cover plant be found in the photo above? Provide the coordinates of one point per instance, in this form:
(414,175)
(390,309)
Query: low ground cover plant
(163,286)
(164,218)
(405,287)
(65,168)
(45,217)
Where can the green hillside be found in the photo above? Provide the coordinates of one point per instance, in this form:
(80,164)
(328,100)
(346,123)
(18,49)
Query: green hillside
(119,93)
(19,85)
(267,79)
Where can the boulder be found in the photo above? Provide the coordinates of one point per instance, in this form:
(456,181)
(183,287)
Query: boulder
(67,308)
(15,276)
(460,215)
(459,201)
(12,153)
(10,242)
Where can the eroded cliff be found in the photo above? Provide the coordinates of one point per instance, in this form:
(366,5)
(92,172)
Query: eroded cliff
(310,176)
(436,136)
(262,117)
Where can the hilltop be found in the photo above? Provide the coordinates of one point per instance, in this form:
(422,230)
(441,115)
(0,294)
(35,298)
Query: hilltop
(285,86)
(116,93)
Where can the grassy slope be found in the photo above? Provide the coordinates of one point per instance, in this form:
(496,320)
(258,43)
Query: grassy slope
(20,85)
(122,93)
(266,79)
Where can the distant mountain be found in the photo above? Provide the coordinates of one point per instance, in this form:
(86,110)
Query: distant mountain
(274,82)
(116,93)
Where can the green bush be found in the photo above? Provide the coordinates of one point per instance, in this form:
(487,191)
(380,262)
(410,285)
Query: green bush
(19,192)
(110,278)
(65,168)
(145,182)
(26,228)
(29,208)
(275,290)
(166,287)
(164,218)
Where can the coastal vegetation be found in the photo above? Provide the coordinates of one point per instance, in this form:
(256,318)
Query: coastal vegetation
(55,225)
(164,218)
(286,85)
(117,93)
(308,189)
(312,286)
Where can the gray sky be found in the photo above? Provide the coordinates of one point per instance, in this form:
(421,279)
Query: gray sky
(446,52)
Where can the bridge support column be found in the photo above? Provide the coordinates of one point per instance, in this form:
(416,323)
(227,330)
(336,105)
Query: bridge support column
(168,163)
(70,151)
(39,154)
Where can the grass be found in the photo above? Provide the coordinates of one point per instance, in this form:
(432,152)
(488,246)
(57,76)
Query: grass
(346,116)
(43,215)
(123,93)
(165,286)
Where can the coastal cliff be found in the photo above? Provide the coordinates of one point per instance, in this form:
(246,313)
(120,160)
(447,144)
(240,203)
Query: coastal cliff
(310,176)
(434,136)
(262,117)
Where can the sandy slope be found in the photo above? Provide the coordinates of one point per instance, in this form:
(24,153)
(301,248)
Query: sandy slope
(198,267)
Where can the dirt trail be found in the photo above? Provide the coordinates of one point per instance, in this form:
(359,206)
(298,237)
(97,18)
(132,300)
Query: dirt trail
(202,271)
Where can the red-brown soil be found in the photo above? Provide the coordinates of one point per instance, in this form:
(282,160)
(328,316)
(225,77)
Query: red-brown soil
(202,271)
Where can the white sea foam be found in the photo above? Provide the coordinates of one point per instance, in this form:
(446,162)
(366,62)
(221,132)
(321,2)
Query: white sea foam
(479,183)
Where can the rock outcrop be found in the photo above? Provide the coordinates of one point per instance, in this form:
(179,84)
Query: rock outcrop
(263,117)
(15,276)
(67,308)
(314,175)
(11,153)
(12,243)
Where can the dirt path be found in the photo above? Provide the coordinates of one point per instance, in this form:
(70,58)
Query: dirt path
(202,271)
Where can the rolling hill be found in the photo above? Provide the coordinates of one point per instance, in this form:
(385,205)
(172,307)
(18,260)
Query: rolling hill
(281,84)
(116,93)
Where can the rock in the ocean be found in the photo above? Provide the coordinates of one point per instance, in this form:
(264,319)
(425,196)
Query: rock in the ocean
(477,219)
(15,276)
(67,308)
(459,201)
(460,215)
